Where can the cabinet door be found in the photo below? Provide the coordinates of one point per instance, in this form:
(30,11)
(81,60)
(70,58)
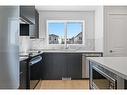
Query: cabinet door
(59,67)
(74,65)
(23,74)
(47,67)
(24,29)
(62,65)
(53,66)
(28,12)
(22,81)
(34,28)
(36,24)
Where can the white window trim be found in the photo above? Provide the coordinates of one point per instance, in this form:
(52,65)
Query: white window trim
(65,21)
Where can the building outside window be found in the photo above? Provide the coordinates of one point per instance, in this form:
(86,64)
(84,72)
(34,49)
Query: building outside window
(65,32)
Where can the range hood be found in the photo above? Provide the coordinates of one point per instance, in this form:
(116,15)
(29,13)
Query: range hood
(24,20)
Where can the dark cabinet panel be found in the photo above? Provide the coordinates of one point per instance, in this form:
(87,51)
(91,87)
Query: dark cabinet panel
(125,84)
(62,65)
(53,66)
(24,29)
(30,14)
(34,28)
(35,71)
(36,24)
(22,81)
(23,74)
(74,65)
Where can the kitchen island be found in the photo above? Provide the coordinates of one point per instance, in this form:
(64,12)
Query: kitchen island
(111,69)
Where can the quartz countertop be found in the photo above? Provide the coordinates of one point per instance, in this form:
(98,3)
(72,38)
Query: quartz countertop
(25,55)
(67,51)
(23,58)
(117,65)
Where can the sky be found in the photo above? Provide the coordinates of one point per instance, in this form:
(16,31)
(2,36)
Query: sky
(73,29)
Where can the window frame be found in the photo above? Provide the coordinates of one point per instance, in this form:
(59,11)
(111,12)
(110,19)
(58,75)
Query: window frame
(65,31)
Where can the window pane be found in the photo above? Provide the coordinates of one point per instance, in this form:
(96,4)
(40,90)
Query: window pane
(56,33)
(74,32)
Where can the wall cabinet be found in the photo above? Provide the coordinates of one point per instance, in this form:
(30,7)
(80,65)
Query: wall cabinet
(31,16)
(28,13)
(34,28)
(62,65)
(24,29)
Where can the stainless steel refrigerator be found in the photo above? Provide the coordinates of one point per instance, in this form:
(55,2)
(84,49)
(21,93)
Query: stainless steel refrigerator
(9,48)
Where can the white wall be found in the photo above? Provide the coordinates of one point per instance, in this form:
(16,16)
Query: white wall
(99,28)
(93,15)
(88,17)
(24,44)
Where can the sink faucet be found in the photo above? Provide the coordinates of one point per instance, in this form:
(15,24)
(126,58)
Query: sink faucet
(66,46)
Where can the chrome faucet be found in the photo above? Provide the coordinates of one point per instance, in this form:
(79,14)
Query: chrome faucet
(66,46)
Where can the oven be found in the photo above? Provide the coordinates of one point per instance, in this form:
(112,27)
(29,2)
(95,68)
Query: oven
(101,78)
(35,71)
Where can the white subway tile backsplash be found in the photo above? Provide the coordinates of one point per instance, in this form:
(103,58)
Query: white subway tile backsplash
(24,43)
(41,44)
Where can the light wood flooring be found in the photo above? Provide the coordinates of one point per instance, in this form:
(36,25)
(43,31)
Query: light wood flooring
(63,84)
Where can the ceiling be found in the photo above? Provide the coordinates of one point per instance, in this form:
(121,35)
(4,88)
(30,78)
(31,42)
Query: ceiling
(66,8)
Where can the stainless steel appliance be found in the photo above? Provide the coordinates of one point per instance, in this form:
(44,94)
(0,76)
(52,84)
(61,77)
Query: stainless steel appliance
(9,47)
(85,62)
(101,78)
(35,71)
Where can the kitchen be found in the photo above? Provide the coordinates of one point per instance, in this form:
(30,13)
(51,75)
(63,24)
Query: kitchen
(58,43)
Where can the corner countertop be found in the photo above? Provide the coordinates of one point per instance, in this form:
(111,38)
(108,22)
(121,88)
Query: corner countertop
(117,65)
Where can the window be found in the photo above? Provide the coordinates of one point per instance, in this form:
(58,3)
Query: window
(56,32)
(65,31)
(74,31)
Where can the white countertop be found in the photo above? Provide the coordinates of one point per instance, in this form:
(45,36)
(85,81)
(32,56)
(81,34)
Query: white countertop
(35,52)
(23,58)
(68,51)
(117,65)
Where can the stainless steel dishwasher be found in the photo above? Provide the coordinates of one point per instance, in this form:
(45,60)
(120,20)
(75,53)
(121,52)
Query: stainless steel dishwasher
(35,71)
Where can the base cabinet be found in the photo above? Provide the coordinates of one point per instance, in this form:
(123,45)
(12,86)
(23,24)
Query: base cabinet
(58,66)
(53,67)
(23,74)
(74,65)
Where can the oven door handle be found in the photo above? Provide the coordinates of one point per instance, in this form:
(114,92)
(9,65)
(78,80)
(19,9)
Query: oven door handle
(104,74)
(35,60)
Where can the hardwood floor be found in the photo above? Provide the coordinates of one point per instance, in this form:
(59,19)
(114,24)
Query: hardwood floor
(63,84)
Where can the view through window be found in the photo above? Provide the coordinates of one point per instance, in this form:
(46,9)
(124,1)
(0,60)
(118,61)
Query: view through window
(70,32)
